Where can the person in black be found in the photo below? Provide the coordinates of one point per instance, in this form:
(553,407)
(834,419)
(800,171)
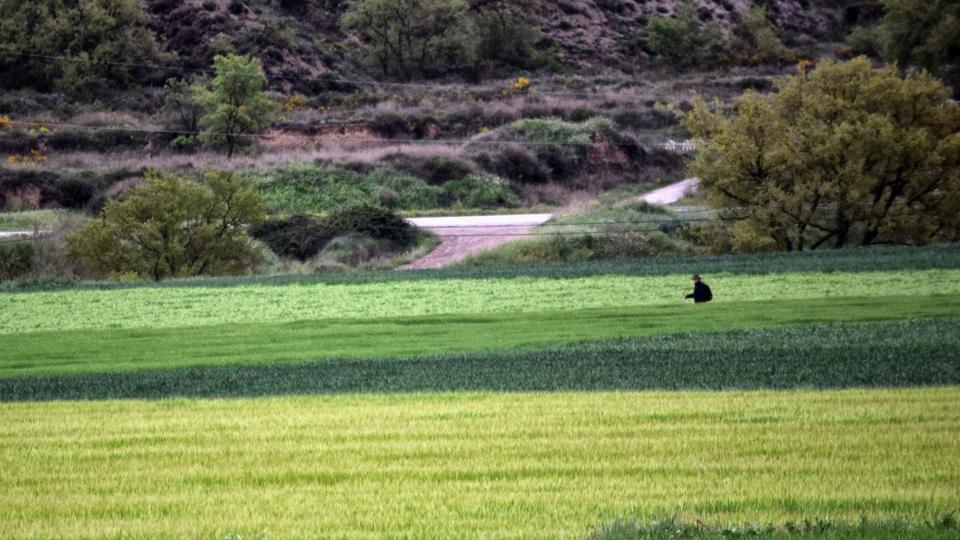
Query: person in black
(701,292)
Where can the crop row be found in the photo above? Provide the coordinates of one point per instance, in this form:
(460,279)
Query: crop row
(493,465)
(888,259)
(99,351)
(191,307)
(894,354)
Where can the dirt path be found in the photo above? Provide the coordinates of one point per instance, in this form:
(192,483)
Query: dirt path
(665,195)
(463,236)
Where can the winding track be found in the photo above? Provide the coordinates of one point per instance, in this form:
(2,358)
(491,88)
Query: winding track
(463,236)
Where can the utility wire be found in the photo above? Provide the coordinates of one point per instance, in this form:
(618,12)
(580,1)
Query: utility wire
(447,88)
(308,137)
(585,224)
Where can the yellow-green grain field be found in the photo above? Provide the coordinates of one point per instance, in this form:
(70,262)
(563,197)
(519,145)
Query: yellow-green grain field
(552,465)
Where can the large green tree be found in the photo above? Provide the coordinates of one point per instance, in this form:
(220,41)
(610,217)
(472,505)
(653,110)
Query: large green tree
(915,34)
(79,46)
(924,34)
(173,227)
(412,38)
(234,103)
(844,155)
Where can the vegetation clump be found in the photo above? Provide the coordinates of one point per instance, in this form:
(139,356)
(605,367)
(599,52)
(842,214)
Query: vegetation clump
(77,47)
(173,227)
(234,104)
(844,155)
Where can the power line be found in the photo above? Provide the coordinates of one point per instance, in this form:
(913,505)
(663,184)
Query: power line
(313,138)
(446,88)
(585,224)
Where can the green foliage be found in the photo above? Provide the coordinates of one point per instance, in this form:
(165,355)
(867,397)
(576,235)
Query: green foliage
(566,151)
(795,356)
(479,191)
(97,45)
(556,131)
(15,259)
(173,227)
(942,528)
(298,237)
(411,38)
(871,259)
(374,221)
(181,110)
(139,344)
(313,188)
(320,189)
(507,37)
(682,41)
(234,104)
(427,38)
(756,40)
(924,34)
(566,247)
(833,160)
(866,40)
(374,231)
(158,307)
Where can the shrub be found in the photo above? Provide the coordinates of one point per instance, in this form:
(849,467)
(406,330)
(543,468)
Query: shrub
(479,191)
(435,169)
(552,130)
(15,259)
(173,227)
(374,221)
(682,42)
(298,237)
(313,188)
(354,249)
(515,163)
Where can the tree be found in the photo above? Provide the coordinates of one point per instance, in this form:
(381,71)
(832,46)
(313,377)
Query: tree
(234,104)
(81,47)
(173,227)
(681,40)
(181,110)
(924,34)
(408,38)
(756,38)
(843,155)
(507,36)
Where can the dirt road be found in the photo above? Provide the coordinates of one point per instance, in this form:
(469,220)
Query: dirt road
(665,195)
(463,236)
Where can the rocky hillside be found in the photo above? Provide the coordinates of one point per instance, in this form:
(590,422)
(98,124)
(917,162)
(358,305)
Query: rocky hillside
(298,45)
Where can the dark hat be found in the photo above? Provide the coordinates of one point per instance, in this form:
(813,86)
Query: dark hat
(696,276)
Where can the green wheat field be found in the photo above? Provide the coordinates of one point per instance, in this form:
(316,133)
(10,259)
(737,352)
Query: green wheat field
(817,397)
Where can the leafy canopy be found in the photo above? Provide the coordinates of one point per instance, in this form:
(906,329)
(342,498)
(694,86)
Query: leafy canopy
(921,34)
(174,227)
(234,103)
(409,38)
(79,47)
(843,155)
(427,38)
